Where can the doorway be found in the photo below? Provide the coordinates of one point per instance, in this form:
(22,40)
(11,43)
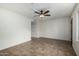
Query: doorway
(71,30)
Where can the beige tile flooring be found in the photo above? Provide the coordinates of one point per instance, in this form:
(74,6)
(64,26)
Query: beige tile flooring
(41,47)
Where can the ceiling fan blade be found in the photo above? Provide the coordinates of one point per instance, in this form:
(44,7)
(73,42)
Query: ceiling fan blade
(47,15)
(36,12)
(46,11)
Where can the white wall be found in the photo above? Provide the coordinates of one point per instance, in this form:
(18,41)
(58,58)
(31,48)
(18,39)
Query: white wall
(14,29)
(75,17)
(55,28)
(35,29)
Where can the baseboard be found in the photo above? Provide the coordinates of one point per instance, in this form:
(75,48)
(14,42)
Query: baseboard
(49,38)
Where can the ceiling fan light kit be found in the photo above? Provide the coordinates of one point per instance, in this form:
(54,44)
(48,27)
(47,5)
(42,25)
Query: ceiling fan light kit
(41,16)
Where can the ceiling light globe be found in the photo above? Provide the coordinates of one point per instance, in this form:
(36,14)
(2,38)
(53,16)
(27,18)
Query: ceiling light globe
(41,15)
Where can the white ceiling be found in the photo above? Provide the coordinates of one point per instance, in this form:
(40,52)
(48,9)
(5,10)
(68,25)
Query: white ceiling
(21,8)
(56,9)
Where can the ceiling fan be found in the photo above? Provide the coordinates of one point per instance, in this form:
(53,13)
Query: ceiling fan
(42,13)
